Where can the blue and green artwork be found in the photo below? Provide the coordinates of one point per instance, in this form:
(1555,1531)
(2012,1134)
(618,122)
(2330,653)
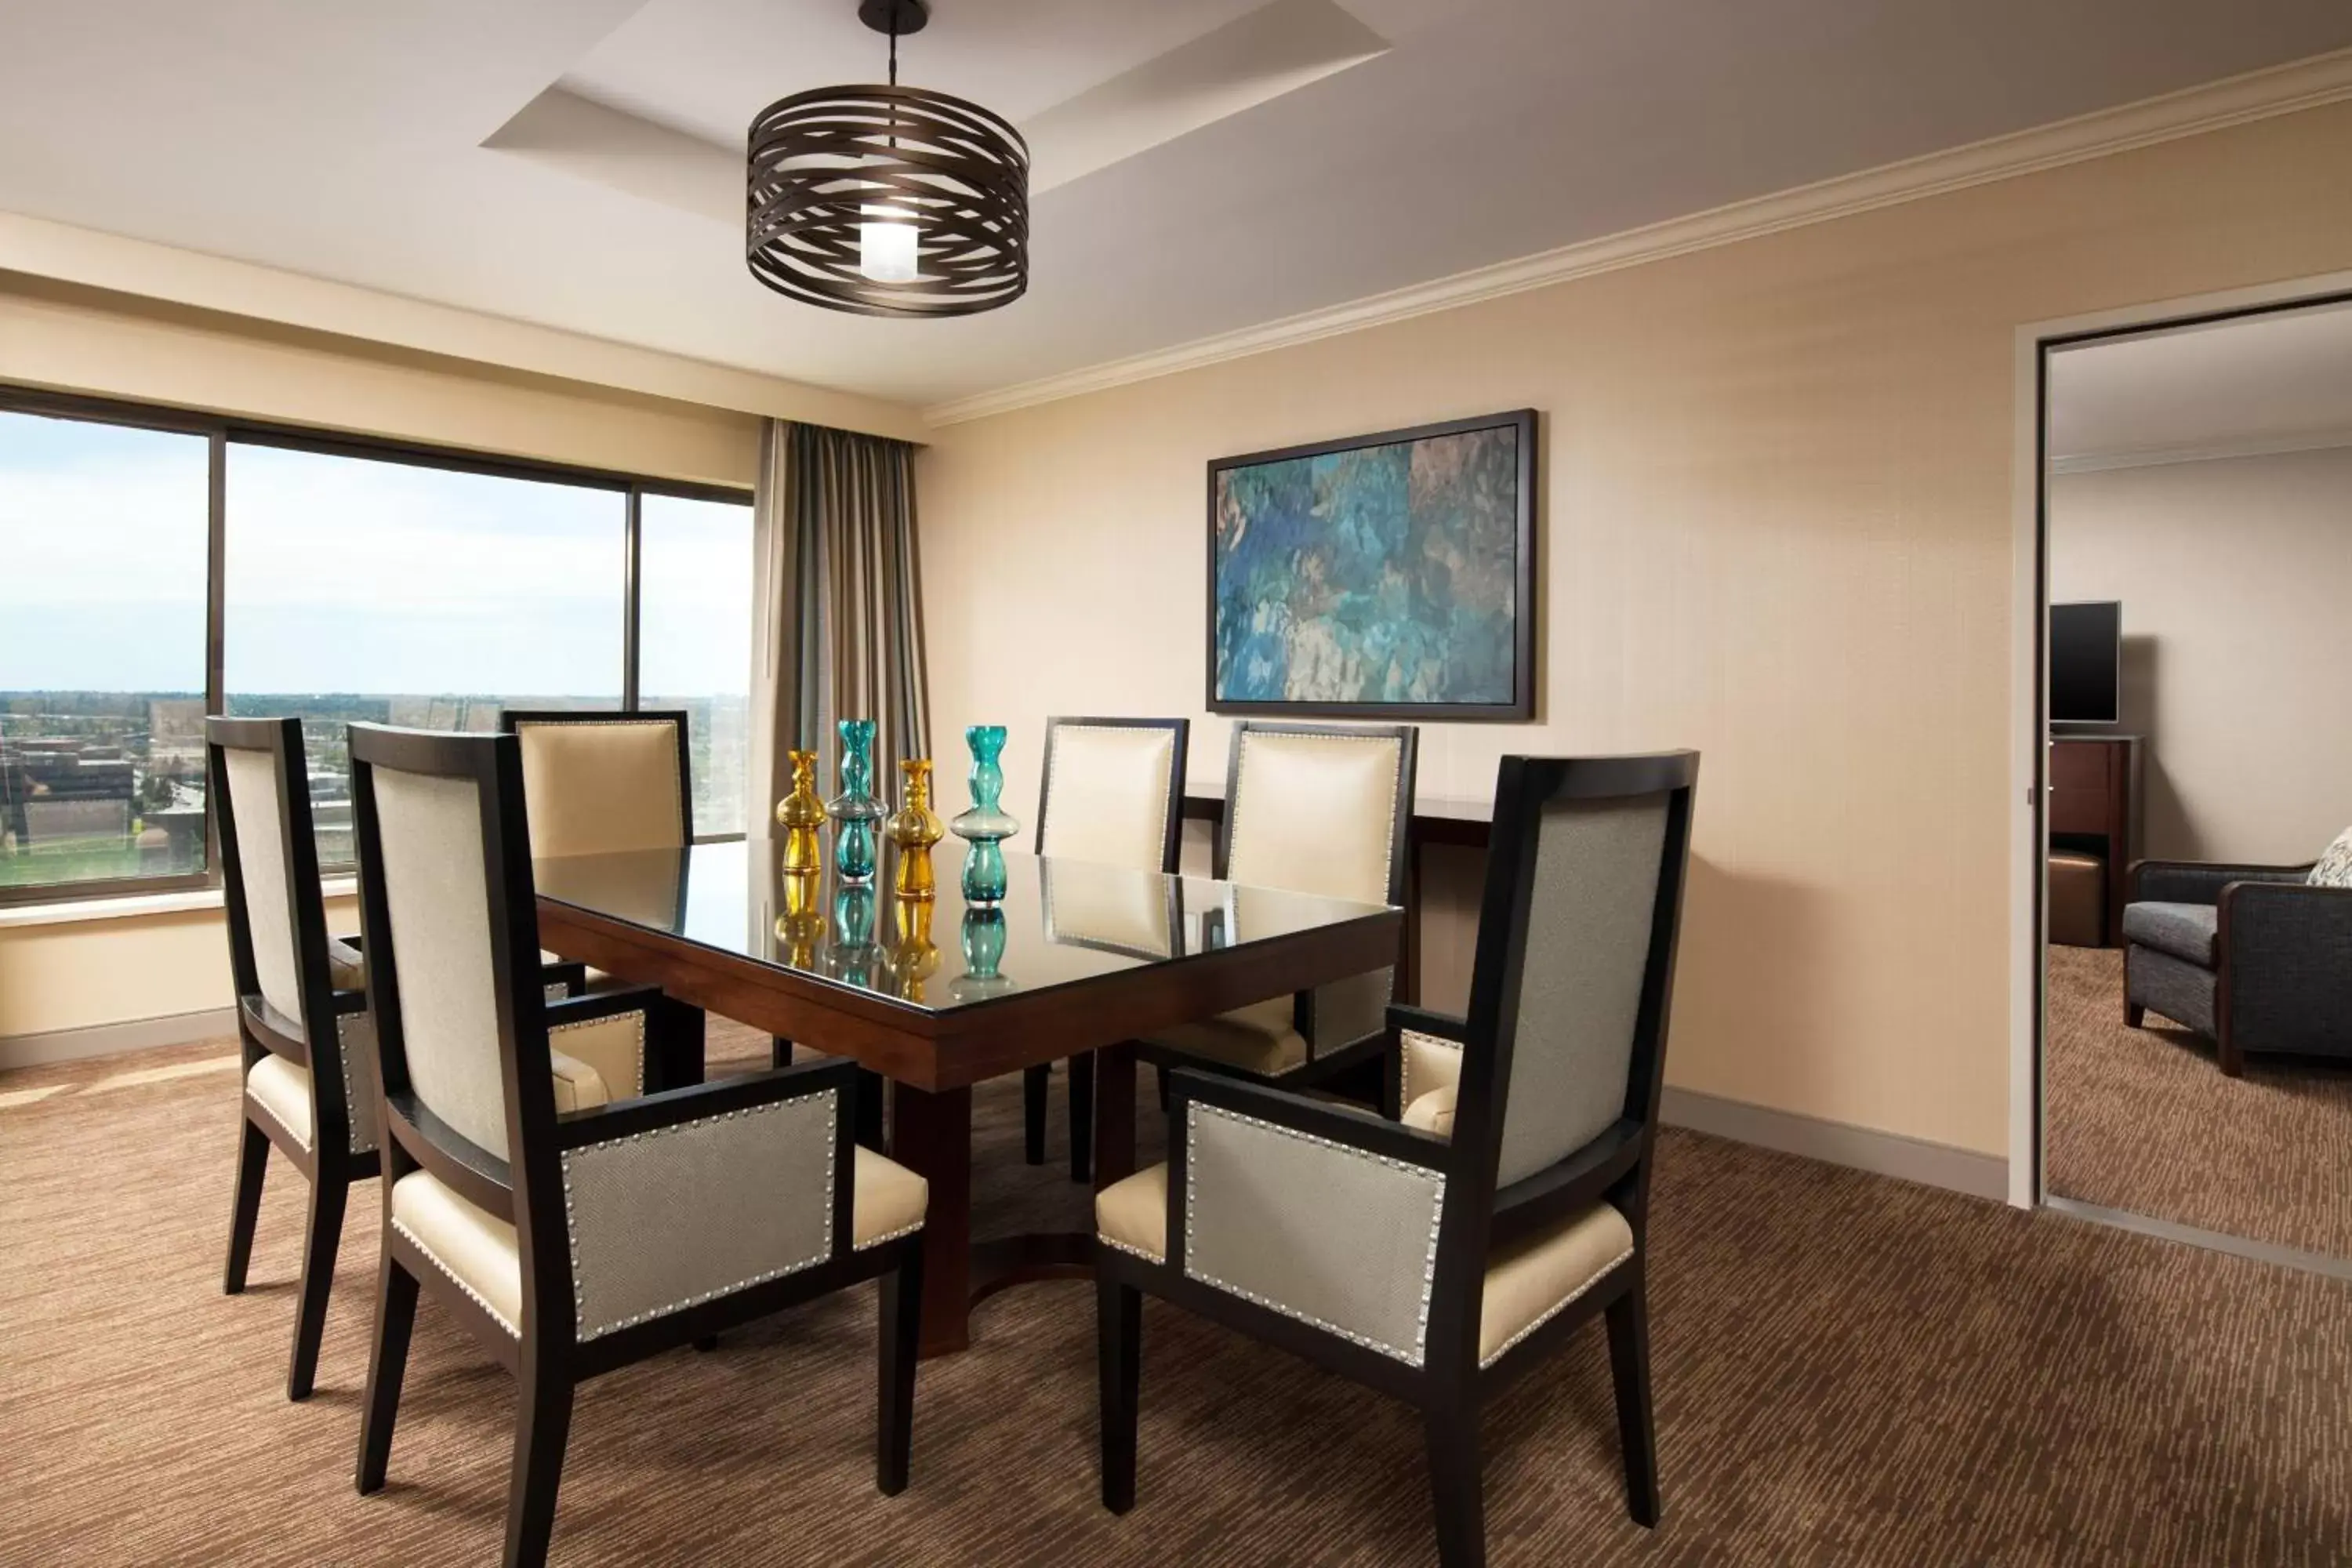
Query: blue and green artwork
(1386,575)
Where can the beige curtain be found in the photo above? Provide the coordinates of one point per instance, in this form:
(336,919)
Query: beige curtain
(838,627)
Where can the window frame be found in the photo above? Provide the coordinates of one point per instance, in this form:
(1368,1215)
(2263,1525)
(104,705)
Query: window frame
(220,431)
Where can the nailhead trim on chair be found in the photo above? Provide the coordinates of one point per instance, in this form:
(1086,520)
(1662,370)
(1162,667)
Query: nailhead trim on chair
(475,1296)
(253,1100)
(1405,1060)
(1388,852)
(343,1060)
(1552,1311)
(635,1088)
(887,1236)
(1411,1357)
(1130,1251)
(571,1220)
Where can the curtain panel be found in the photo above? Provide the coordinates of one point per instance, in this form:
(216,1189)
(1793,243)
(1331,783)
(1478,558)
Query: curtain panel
(838,622)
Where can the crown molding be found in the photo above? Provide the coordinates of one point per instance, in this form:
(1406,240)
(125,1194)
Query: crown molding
(2202,451)
(2235,100)
(145,270)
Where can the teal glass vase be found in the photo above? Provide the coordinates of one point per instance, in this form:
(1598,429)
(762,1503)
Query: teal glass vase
(855,811)
(985,827)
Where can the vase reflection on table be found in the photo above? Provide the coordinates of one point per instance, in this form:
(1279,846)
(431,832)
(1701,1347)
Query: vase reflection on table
(985,827)
(983,950)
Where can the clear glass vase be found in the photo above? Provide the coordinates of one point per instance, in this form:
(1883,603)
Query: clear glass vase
(986,826)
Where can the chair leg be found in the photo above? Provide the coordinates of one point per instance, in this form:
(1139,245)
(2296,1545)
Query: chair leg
(779,1052)
(1629,1369)
(396,1315)
(543,1424)
(1082,1117)
(1451,1428)
(1034,1083)
(319,1242)
(901,1333)
(2135,1016)
(1118,1326)
(245,1206)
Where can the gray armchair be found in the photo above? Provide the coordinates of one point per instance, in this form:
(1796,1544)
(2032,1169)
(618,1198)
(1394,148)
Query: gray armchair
(2254,958)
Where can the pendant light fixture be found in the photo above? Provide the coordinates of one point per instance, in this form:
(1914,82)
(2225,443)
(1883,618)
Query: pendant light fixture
(889,201)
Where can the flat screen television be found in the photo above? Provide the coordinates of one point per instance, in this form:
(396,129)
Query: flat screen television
(2086,662)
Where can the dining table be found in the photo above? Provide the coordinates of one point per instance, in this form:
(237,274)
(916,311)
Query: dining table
(936,995)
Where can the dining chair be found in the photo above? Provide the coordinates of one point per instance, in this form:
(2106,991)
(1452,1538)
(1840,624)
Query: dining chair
(1437,1258)
(1111,793)
(570,1242)
(1309,809)
(604,782)
(303,1026)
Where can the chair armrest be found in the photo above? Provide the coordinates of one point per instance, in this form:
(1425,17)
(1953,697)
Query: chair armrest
(570,974)
(1421,1021)
(1323,1213)
(2285,952)
(697,1194)
(2197,882)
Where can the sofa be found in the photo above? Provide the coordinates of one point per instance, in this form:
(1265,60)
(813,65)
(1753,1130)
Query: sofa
(2253,958)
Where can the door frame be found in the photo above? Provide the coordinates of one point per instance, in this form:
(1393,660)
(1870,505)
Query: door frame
(2029,596)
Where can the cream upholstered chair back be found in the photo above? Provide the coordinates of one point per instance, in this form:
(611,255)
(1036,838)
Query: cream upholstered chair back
(254,830)
(1318,809)
(1591,907)
(1575,958)
(443,1001)
(601,782)
(1113,792)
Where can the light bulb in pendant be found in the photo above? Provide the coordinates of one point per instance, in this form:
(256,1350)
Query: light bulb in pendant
(885,244)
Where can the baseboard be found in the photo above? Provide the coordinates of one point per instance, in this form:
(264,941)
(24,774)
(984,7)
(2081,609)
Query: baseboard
(1840,1143)
(109,1040)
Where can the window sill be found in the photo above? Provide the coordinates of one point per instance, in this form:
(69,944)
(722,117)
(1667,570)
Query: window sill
(138,906)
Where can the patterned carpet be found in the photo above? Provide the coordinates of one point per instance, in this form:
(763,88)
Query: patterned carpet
(1849,1370)
(2142,1120)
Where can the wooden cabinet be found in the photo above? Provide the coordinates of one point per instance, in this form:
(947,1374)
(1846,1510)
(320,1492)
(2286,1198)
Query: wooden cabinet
(2094,806)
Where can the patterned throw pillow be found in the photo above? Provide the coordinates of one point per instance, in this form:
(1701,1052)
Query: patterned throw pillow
(2334,868)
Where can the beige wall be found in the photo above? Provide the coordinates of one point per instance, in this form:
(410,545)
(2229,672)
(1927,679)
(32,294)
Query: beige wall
(66,337)
(1777,527)
(2235,578)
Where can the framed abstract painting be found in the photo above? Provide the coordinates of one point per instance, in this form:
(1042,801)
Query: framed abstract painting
(1387,576)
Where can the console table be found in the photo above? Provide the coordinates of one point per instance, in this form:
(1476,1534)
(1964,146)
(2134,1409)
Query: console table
(1437,819)
(2095,805)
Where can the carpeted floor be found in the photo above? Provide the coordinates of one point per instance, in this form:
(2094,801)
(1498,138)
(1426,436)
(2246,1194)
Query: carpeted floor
(2142,1120)
(1849,1370)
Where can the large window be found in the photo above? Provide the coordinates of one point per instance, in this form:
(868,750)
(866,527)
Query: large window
(694,648)
(102,679)
(159,567)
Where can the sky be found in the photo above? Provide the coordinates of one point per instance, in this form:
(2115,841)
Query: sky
(348,575)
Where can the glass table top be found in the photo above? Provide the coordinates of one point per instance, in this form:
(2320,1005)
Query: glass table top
(1060,920)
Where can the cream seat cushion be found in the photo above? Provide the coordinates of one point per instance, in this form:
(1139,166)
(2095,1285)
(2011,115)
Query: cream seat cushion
(346,969)
(1258,1038)
(614,1047)
(887,1199)
(472,1246)
(1432,1112)
(283,1090)
(1527,1283)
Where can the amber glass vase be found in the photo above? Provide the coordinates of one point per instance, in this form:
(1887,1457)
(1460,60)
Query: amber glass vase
(913,830)
(801,815)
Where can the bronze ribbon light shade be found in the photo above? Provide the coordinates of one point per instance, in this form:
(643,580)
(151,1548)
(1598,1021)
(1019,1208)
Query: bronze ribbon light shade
(889,201)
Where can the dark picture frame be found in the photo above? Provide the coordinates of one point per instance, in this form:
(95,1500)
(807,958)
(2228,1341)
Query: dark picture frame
(1521,704)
